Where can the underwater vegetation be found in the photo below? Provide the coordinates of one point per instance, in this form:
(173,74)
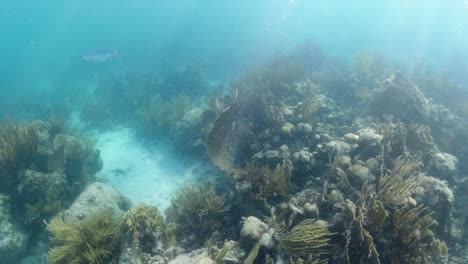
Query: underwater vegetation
(91,240)
(197,211)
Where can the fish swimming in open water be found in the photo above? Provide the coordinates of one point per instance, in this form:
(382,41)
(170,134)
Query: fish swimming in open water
(100,55)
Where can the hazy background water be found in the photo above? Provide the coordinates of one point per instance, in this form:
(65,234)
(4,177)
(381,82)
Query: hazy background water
(42,42)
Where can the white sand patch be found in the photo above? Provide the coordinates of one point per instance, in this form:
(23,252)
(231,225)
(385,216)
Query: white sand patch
(144,174)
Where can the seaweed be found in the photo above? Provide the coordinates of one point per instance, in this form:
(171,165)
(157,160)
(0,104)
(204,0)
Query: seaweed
(91,240)
(308,239)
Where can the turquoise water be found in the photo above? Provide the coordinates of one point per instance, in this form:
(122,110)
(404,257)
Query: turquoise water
(139,88)
(42,41)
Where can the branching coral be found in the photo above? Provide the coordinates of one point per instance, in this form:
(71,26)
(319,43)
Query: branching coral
(92,240)
(308,239)
(197,210)
(269,183)
(18,148)
(414,239)
(395,188)
(360,246)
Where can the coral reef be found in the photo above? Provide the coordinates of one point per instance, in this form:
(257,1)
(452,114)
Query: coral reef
(318,162)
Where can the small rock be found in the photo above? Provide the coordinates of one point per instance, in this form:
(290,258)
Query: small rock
(304,128)
(444,165)
(337,148)
(311,210)
(272,154)
(343,162)
(287,128)
(284,148)
(303,156)
(362,172)
(267,241)
(335,197)
(351,138)
(253,228)
(369,136)
(258,155)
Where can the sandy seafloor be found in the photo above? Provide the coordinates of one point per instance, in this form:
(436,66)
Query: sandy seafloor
(142,172)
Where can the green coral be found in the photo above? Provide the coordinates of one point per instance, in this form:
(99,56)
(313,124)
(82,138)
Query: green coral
(197,211)
(143,222)
(308,239)
(91,240)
